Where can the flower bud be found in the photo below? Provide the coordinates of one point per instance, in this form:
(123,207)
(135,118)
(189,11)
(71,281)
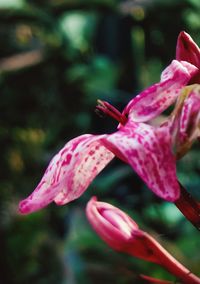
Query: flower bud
(120,232)
(187,49)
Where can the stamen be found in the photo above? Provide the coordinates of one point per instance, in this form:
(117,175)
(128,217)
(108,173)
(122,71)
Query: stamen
(110,110)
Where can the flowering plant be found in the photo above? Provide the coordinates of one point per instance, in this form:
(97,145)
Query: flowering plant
(151,150)
(145,147)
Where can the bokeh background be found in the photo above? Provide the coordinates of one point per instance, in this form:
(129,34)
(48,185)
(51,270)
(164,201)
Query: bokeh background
(57,57)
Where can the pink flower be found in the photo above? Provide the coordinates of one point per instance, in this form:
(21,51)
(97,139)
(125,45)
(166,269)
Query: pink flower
(146,148)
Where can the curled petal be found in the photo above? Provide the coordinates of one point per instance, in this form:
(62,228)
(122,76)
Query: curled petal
(187,49)
(69,173)
(155,99)
(186,119)
(148,150)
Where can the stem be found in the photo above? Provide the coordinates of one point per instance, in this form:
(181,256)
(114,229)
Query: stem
(188,207)
(167,261)
(148,279)
(178,270)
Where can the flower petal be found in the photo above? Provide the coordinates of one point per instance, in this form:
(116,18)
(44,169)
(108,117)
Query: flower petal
(148,150)
(190,117)
(155,99)
(69,173)
(186,119)
(187,49)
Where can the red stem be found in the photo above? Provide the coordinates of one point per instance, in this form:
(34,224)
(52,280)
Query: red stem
(148,279)
(188,207)
(166,260)
(177,269)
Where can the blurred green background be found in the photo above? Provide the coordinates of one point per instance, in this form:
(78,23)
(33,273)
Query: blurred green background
(57,57)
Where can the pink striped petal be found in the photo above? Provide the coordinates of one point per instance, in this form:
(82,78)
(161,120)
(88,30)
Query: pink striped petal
(69,173)
(186,119)
(187,49)
(155,99)
(148,150)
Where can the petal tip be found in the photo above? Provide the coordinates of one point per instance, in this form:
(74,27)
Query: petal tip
(24,207)
(183,34)
(93,198)
(173,197)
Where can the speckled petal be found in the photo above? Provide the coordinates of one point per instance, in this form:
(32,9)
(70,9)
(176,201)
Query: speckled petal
(155,99)
(148,150)
(69,173)
(187,49)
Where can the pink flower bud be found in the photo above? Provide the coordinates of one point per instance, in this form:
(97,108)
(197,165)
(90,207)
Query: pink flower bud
(120,232)
(187,49)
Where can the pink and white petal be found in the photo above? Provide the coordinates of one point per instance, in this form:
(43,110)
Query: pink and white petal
(168,73)
(187,49)
(69,173)
(89,159)
(158,97)
(148,150)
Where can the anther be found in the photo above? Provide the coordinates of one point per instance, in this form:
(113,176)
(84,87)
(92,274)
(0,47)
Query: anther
(110,110)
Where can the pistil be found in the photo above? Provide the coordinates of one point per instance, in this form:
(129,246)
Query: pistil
(110,110)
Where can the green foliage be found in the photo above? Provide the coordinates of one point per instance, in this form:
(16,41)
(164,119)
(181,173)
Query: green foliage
(56,59)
